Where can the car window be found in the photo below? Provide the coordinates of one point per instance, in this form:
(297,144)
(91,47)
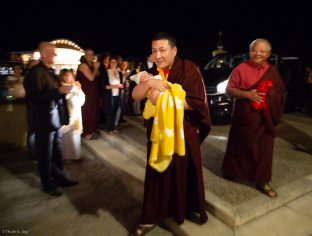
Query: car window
(290,69)
(237,59)
(273,59)
(226,61)
(221,61)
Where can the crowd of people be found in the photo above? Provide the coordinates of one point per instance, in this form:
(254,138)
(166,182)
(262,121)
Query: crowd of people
(64,108)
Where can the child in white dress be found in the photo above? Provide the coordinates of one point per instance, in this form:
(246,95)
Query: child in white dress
(72,132)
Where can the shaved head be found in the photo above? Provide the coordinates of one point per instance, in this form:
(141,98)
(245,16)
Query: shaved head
(44,45)
(261,40)
(47,53)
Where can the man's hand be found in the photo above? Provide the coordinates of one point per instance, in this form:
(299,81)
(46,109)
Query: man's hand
(156,84)
(153,96)
(65,89)
(256,96)
(96,65)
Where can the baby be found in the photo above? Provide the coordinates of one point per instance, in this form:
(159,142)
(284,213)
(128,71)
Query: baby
(143,76)
(149,108)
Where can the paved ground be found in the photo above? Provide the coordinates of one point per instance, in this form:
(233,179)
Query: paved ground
(108,199)
(101,204)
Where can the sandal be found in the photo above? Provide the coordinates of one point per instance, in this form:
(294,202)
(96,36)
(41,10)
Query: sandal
(114,132)
(142,229)
(88,136)
(94,136)
(266,189)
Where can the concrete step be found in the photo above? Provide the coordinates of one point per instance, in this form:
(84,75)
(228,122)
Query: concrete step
(128,171)
(233,203)
(131,172)
(236,203)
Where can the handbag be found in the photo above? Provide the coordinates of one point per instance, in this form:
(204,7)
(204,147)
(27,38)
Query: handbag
(63,111)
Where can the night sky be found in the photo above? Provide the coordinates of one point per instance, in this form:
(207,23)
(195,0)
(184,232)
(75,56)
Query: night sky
(126,30)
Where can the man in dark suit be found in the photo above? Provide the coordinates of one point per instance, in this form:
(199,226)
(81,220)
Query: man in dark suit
(149,62)
(48,113)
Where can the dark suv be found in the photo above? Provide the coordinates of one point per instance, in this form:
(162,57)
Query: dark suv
(217,71)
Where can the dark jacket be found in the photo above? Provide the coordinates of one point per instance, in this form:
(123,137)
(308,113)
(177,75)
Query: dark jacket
(107,93)
(47,105)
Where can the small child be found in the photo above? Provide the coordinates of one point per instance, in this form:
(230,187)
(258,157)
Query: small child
(72,131)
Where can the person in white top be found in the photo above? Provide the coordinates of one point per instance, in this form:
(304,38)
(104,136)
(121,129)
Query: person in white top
(72,132)
(124,93)
(112,84)
(15,82)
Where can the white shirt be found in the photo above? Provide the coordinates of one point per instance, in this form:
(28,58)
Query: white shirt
(114,80)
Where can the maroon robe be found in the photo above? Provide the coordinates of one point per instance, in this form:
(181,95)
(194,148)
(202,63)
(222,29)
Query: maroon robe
(249,152)
(180,189)
(90,107)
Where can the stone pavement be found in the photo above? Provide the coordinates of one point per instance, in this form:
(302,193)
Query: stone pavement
(101,204)
(108,199)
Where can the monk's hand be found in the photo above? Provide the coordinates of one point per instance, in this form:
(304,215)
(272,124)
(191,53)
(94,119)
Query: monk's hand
(156,84)
(256,96)
(153,96)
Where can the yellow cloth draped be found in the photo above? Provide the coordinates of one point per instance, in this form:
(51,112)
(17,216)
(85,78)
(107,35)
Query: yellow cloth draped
(167,134)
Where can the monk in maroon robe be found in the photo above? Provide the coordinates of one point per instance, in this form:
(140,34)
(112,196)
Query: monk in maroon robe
(179,190)
(259,96)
